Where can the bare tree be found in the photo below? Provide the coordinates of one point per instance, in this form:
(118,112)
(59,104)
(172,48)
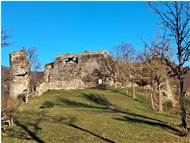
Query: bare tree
(111,65)
(175,17)
(134,74)
(33,58)
(34,66)
(145,70)
(8,105)
(5,36)
(158,71)
(154,72)
(125,53)
(107,73)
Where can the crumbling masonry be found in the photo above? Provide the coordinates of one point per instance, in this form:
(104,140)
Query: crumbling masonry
(19,73)
(68,71)
(76,71)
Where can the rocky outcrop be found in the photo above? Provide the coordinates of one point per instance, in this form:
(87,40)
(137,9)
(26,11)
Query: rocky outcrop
(19,73)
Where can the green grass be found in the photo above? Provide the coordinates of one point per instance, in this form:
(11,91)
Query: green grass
(92,116)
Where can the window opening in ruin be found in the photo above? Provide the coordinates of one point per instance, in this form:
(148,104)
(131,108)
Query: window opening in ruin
(52,66)
(73,59)
(34,87)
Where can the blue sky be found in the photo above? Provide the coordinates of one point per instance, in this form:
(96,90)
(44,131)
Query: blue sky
(73,27)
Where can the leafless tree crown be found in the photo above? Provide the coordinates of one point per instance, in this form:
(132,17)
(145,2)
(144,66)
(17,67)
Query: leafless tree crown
(5,36)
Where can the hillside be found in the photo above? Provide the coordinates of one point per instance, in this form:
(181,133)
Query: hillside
(94,116)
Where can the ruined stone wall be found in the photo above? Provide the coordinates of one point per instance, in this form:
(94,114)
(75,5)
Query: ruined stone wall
(169,91)
(74,71)
(19,73)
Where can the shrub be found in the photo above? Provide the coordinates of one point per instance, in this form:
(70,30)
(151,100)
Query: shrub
(48,104)
(186,101)
(168,105)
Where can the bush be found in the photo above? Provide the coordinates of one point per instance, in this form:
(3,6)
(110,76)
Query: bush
(168,105)
(48,104)
(186,102)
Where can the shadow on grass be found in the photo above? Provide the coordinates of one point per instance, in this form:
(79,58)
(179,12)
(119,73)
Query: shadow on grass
(103,103)
(85,130)
(71,103)
(32,134)
(120,92)
(16,133)
(100,102)
(70,122)
(98,99)
(106,106)
(157,124)
(136,115)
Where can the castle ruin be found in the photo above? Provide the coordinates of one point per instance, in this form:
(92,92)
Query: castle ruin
(76,71)
(68,71)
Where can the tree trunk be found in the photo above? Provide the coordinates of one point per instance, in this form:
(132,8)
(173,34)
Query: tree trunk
(126,89)
(152,100)
(182,102)
(27,94)
(28,88)
(134,94)
(160,98)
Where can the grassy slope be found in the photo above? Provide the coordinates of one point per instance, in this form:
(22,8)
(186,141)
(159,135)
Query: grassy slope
(92,116)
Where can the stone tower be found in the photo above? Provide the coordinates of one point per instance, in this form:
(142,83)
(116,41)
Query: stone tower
(19,73)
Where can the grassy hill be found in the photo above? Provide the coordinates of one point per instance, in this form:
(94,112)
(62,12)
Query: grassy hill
(92,116)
